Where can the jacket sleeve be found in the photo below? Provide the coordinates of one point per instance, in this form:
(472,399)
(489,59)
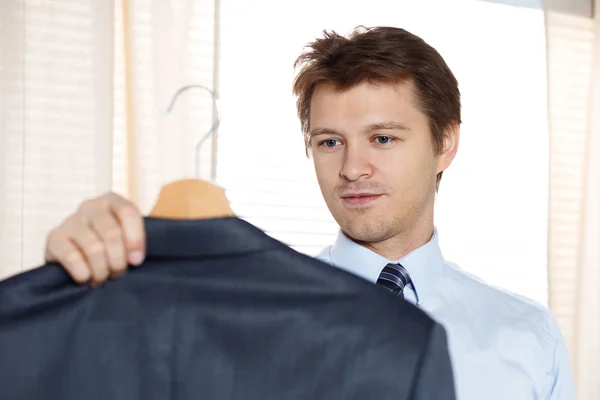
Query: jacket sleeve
(434,378)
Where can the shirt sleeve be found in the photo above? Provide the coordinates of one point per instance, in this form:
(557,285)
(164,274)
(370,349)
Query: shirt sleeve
(560,384)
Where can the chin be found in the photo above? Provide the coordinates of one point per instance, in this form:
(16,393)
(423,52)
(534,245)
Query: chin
(366,229)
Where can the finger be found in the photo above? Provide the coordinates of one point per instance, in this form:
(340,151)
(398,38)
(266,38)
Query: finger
(60,248)
(109,231)
(93,249)
(132,223)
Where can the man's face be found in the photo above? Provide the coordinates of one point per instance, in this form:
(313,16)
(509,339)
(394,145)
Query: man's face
(374,159)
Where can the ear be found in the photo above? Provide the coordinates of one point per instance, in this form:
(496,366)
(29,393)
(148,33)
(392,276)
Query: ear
(449,148)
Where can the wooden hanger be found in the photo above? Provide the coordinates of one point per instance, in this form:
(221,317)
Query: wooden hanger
(193,198)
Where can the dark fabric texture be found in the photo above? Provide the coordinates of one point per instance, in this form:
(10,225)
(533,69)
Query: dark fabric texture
(219,310)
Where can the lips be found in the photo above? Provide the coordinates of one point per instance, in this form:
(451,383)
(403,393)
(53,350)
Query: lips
(360,198)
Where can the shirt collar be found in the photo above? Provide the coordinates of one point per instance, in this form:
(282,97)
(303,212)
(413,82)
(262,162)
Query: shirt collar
(423,264)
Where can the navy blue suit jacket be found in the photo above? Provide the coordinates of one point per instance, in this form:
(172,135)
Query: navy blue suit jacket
(219,310)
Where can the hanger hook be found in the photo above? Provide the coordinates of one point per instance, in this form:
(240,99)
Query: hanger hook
(213,128)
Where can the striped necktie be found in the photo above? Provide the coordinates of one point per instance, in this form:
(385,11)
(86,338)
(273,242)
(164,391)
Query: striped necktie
(395,278)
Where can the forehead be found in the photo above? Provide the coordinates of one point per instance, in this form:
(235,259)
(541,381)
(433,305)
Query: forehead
(365,103)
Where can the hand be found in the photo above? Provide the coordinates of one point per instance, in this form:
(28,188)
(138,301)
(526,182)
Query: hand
(99,240)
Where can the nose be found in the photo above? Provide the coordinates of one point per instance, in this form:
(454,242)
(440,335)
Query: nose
(356,163)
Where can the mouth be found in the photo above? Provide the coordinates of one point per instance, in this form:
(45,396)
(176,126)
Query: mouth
(360,199)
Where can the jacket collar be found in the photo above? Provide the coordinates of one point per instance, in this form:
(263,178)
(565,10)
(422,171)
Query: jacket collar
(204,238)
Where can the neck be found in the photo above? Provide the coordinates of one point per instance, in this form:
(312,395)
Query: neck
(398,246)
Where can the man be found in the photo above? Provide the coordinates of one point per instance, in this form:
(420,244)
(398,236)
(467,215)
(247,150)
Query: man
(380,112)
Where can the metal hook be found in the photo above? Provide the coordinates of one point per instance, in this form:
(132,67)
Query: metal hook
(213,128)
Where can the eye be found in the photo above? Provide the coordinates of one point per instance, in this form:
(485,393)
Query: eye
(329,143)
(383,139)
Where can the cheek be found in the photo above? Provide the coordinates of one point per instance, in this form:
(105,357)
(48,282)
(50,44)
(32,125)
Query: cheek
(408,172)
(326,172)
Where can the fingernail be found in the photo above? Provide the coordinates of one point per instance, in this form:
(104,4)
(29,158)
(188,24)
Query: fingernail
(136,257)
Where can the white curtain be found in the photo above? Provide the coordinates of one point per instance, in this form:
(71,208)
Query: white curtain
(573,51)
(55,118)
(164,45)
(83,89)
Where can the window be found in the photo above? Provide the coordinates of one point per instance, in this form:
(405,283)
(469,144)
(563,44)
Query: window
(491,209)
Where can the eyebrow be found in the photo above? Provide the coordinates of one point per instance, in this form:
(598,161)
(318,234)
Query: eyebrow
(379,126)
(322,131)
(387,125)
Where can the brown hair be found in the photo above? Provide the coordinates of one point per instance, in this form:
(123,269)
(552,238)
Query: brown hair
(379,55)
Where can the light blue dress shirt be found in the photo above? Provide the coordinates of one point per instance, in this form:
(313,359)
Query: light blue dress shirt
(502,346)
